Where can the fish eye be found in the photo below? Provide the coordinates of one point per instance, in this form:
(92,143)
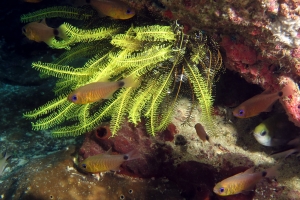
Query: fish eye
(74,98)
(128,11)
(125,157)
(241,112)
(222,190)
(263,133)
(84,166)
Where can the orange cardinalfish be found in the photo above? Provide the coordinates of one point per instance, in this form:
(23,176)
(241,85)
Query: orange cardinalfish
(41,32)
(107,162)
(243,182)
(202,133)
(257,104)
(98,90)
(112,8)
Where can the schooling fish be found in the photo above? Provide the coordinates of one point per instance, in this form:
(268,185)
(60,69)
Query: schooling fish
(112,8)
(98,90)
(275,131)
(3,162)
(106,162)
(257,104)
(243,182)
(41,32)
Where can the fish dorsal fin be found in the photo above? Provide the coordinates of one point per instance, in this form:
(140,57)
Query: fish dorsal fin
(267,91)
(249,171)
(44,22)
(109,151)
(294,142)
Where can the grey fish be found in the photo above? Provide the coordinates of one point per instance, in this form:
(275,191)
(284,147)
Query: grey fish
(275,131)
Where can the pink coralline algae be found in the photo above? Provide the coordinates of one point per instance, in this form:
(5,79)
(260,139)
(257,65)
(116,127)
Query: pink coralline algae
(296,52)
(290,99)
(238,52)
(243,59)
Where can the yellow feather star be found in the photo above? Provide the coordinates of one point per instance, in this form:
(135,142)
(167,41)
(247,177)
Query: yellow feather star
(165,63)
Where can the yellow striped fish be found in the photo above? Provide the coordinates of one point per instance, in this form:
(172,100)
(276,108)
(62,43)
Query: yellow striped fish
(98,90)
(106,162)
(242,182)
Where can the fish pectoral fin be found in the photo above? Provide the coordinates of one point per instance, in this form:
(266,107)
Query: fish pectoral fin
(43,22)
(109,151)
(115,170)
(294,142)
(269,109)
(247,192)
(284,154)
(277,142)
(109,96)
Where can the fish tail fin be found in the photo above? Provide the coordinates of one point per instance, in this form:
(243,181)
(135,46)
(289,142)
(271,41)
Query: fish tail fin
(272,172)
(210,141)
(130,81)
(294,142)
(285,154)
(134,154)
(60,32)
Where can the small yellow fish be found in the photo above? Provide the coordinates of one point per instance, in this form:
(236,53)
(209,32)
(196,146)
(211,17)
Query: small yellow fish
(242,182)
(257,104)
(201,132)
(106,162)
(112,8)
(41,32)
(96,91)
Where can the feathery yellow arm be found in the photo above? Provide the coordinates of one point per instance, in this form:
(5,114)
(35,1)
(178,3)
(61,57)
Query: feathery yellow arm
(55,117)
(47,108)
(91,122)
(120,109)
(76,35)
(64,86)
(152,109)
(154,33)
(57,11)
(109,70)
(142,97)
(80,51)
(127,42)
(137,62)
(60,71)
(203,95)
